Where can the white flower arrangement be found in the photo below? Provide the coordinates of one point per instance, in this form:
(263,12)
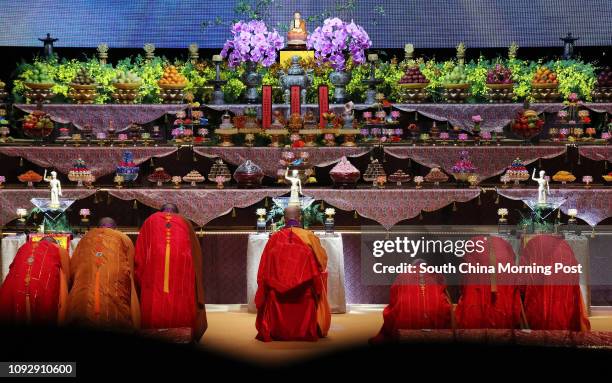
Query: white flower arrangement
(572,212)
(260,212)
(21,212)
(502,212)
(330,211)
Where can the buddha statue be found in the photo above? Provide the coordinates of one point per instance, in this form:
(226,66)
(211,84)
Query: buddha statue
(297,31)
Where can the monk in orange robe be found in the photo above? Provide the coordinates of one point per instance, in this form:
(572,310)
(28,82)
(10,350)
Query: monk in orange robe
(489,300)
(102,269)
(36,287)
(416,301)
(553,302)
(291,296)
(168,273)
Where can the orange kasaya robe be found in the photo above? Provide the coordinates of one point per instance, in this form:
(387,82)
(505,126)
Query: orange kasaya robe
(103,292)
(416,301)
(36,287)
(489,300)
(553,302)
(168,275)
(291,296)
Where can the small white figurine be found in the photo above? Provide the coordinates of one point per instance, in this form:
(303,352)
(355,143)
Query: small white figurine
(296,187)
(543,189)
(56,188)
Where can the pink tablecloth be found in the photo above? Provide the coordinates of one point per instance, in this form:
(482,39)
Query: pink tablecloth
(199,205)
(490,160)
(596,153)
(99,117)
(100,160)
(390,206)
(386,207)
(593,205)
(12,199)
(268,158)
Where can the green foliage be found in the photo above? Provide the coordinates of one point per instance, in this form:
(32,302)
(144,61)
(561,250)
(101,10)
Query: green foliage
(310,216)
(573,76)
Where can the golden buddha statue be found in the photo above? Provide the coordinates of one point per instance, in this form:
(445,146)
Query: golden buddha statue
(297,31)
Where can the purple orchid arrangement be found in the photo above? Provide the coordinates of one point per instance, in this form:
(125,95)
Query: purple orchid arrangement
(252,42)
(336,41)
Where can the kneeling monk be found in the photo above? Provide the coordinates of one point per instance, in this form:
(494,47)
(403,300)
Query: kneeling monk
(416,301)
(489,300)
(553,302)
(168,273)
(36,287)
(291,294)
(102,269)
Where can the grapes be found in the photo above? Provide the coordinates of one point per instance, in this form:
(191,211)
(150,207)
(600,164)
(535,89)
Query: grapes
(413,75)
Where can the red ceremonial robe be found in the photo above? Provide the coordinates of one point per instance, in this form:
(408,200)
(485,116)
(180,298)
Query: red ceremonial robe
(416,301)
(291,296)
(489,300)
(36,287)
(168,274)
(553,302)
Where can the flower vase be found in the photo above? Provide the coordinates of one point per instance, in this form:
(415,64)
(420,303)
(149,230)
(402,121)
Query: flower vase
(339,80)
(252,80)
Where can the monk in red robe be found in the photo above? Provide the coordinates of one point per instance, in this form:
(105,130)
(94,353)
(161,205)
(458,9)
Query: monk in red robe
(36,287)
(489,300)
(291,296)
(553,302)
(103,293)
(168,273)
(416,301)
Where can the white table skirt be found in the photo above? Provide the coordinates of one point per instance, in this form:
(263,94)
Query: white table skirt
(332,243)
(11,244)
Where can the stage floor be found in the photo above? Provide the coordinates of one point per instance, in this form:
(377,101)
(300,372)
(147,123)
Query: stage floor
(231,331)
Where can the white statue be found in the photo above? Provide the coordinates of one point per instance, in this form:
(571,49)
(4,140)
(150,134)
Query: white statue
(56,188)
(296,187)
(543,189)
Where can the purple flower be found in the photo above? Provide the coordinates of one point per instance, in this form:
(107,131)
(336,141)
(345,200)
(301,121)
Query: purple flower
(336,41)
(476,118)
(252,42)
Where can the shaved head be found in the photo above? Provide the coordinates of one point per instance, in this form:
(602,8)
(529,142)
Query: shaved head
(169,208)
(293,213)
(107,222)
(49,238)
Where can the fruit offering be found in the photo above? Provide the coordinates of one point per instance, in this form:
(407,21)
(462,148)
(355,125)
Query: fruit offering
(517,171)
(193,176)
(159,176)
(527,124)
(545,76)
(40,75)
(37,124)
(79,172)
(456,76)
(344,174)
(436,175)
(604,79)
(398,177)
(413,75)
(172,77)
(374,170)
(463,168)
(126,77)
(499,74)
(608,177)
(30,177)
(83,78)
(127,167)
(564,176)
(219,169)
